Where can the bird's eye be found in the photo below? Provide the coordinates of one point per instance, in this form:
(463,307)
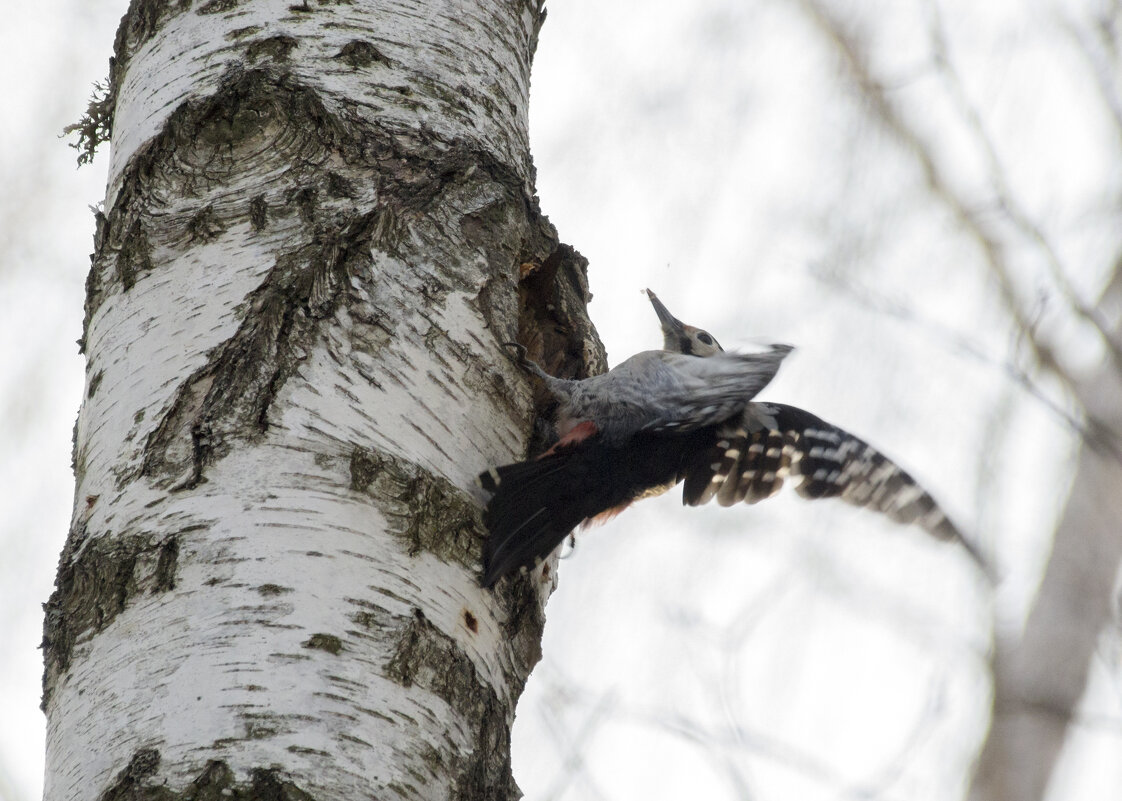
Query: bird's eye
(704,337)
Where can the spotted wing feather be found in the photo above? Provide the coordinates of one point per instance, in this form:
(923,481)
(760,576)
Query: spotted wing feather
(749,460)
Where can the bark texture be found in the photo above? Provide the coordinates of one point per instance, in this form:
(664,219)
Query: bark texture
(320,225)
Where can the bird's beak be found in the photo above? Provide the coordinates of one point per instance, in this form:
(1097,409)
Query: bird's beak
(670,323)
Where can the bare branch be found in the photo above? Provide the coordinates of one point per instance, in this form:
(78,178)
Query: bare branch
(992,251)
(1092,431)
(999,180)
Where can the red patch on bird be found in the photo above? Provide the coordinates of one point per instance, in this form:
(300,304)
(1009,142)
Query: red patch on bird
(578,433)
(605,516)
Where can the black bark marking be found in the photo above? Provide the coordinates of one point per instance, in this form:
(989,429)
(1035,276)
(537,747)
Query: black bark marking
(268,590)
(258,213)
(365,467)
(166,565)
(239,33)
(306,199)
(358,53)
(339,187)
(90,591)
(276,48)
(97,577)
(217,6)
(217,782)
(95,382)
(426,512)
(130,785)
(205,225)
(134,255)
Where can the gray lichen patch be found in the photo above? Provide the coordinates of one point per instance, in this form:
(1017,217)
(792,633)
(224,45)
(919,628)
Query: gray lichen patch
(427,512)
(359,53)
(139,24)
(140,781)
(427,658)
(95,586)
(324,642)
(96,125)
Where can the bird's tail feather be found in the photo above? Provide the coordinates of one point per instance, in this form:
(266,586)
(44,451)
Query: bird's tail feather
(537,503)
(535,506)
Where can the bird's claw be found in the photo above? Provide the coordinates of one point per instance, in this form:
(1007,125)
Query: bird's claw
(530,366)
(519,355)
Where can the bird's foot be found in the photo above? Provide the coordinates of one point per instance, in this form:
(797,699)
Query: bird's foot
(519,358)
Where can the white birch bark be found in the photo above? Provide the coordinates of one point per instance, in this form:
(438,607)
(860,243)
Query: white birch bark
(317,220)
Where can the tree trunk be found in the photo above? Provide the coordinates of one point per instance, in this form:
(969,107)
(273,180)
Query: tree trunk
(320,226)
(1041,675)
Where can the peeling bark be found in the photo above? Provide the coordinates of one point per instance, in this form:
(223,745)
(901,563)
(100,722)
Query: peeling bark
(320,227)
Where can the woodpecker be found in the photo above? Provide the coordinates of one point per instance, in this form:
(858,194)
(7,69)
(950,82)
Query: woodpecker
(683,414)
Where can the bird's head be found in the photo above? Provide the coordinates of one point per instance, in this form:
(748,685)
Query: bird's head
(678,337)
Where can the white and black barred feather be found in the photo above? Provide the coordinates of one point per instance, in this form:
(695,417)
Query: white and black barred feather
(752,457)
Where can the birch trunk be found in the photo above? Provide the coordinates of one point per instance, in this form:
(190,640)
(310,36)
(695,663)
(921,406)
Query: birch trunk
(319,226)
